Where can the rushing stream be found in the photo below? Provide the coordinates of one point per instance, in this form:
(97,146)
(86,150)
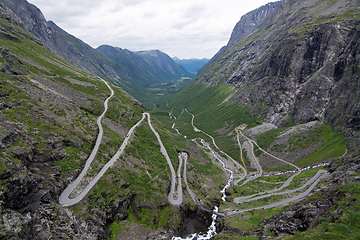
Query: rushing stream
(204,236)
(226,169)
(212,228)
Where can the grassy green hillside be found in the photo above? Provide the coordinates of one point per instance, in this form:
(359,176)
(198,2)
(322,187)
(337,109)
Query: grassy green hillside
(213,114)
(48,128)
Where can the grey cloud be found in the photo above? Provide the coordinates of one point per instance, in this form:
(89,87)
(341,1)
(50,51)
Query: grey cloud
(183,28)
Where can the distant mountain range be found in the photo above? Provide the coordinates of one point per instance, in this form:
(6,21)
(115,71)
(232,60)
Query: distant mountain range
(192,65)
(293,65)
(133,71)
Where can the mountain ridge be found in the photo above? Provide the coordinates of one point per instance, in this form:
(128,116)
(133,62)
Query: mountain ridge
(276,70)
(248,23)
(48,127)
(192,64)
(295,68)
(82,55)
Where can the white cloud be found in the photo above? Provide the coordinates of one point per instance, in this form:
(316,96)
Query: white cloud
(182,28)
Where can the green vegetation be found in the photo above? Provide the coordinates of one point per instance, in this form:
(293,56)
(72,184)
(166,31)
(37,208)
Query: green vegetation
(229,236)
(264,140)
(208,102)
(207,170)
(211,112)
(64,134)
(329,144)
(62,131)
(317,16)
(116,228)
(246,222)
(333,145)
(348,225)
(149,152)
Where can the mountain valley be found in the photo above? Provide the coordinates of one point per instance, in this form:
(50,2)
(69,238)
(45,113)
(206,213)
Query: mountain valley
(263,143)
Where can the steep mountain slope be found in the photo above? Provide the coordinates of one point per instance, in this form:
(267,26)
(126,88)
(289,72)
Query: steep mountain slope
(153,65)
(148,73)
(300,65)
(47,120)
(131,72)
(247,24)
(61,43)
(48,128)
(299,73)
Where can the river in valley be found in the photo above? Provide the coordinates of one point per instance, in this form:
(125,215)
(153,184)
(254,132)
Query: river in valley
(212,228)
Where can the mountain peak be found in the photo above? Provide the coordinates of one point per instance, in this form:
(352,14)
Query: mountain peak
(247,24)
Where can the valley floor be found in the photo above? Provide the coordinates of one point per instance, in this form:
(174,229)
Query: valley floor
(229,165)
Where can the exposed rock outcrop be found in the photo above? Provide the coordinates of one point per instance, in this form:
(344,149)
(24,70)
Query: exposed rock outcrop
(247,24)
(301,64)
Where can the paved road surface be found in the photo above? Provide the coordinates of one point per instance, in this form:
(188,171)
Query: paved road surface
(66,201)
(171,198)
(64,197)
(314,180)
(322,175)
(213,140)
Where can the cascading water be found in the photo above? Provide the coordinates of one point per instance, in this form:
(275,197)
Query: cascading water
(226,169)
(212,228)
(205,236)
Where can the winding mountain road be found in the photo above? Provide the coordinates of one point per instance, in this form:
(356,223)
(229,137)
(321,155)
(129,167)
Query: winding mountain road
(213,140)
(64,197)
(314,180)
(65,200)
(275,192)
(172,200)
(321,174)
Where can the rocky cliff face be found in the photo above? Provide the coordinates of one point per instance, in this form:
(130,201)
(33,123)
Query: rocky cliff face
(40,98)
(301,64)
(250,22)
(247,24)
(32,18)
(61,43)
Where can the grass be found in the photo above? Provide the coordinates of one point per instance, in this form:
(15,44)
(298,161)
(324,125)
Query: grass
(348,225)
(253,187)
(116,228)
(264,140)
(330,144)
(211,112)
(247,221)
(225,236)
(208,169)
(207,103)
(333,145)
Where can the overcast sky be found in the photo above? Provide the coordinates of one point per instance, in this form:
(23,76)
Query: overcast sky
(181,28)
